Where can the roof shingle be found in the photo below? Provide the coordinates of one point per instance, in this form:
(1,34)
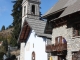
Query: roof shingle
(62,4)
(38,26)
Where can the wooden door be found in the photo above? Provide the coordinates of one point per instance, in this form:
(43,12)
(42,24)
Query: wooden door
(33,55)
(62,57)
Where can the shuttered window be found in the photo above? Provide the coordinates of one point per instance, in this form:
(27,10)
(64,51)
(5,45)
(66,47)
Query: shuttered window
(60,40)
(56,41)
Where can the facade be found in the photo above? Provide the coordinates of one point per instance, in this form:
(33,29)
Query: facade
(32,38)
(63,22)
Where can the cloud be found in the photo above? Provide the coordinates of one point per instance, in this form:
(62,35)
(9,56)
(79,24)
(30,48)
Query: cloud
(3,6)
(3,9)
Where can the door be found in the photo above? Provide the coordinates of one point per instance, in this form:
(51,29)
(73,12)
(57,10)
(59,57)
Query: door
(33,55)
(62,57)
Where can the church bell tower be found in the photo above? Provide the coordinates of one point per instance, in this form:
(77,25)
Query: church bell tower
(30,9)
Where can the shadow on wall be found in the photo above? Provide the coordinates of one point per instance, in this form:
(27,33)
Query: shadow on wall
(13,57)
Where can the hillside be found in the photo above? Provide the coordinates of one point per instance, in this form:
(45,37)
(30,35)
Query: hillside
(6,34)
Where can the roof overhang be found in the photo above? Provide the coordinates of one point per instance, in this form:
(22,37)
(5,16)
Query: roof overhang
(24,32)
(53,13)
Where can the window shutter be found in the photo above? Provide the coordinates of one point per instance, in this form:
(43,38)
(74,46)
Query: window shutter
(75,33)
(56,41)
(60,41)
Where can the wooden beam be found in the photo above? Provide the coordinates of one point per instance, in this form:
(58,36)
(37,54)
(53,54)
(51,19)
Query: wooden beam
(27,33)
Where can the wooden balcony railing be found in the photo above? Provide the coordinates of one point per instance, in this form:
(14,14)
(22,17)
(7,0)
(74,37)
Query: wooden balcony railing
(57,48)
(61,47)
(48,48)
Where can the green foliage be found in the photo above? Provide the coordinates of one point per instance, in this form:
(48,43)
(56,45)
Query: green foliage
(10,26)
(4,46)
(2,49)
(1,55)
(3,28)
(17,14)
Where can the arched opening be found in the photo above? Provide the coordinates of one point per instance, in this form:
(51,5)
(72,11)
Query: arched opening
(33,55)
(33,9)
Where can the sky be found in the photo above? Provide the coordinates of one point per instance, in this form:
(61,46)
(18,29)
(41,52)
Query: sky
(6,7)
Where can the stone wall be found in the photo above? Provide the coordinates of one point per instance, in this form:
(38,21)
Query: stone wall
(61,31)
(67,33)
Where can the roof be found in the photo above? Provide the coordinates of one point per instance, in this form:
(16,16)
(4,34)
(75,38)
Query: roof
(31,0)
(24,1)
(38,26)
(60,5)
(71,9)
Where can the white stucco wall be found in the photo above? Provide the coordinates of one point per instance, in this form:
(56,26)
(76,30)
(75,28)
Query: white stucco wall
(39,47)
(22,52)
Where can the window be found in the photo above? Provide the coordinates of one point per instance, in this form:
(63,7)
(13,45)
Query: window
(33,9)
(33,55)
(24,10)
(76,30)
(60,40)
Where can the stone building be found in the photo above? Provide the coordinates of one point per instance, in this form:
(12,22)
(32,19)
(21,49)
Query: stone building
(63,22)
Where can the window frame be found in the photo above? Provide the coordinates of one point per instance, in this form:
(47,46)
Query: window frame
(33,9)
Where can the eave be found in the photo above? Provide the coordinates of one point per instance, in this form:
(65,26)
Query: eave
(24,32)
(53,13)
(74,17)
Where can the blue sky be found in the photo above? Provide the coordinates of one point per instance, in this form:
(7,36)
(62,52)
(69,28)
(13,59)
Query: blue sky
(6,6)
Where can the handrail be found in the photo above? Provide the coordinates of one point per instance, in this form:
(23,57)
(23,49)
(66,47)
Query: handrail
(58,47)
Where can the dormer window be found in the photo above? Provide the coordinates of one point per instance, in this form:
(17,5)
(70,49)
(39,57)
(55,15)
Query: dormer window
(33,10)
(24,10)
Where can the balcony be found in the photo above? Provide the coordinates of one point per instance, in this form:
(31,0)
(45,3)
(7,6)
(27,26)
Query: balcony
(61,47)
(49,48)
(56,48)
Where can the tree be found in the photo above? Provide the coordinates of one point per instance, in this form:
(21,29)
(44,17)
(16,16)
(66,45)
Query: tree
(3,28)
(5,44)
(17,14)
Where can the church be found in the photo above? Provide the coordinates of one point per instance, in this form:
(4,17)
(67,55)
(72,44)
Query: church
(58,38)
(32,38)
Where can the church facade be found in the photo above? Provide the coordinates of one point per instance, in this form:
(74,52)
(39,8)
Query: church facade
(32,38)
